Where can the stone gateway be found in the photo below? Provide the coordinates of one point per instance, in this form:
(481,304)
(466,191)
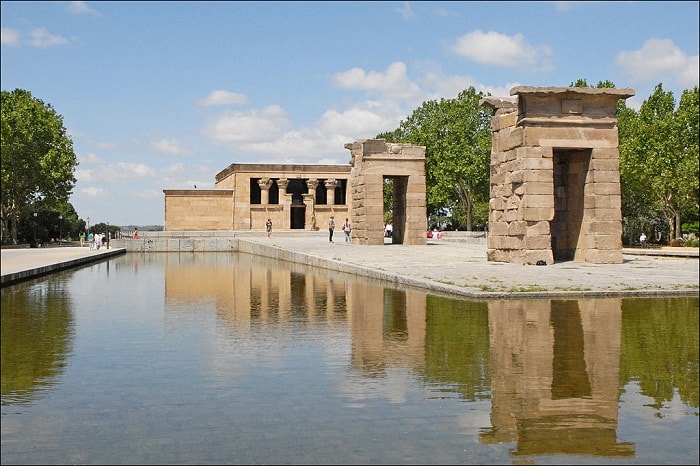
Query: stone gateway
(555,176)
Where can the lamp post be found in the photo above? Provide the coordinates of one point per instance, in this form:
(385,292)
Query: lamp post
(35,243)
(60,221)
(109,235)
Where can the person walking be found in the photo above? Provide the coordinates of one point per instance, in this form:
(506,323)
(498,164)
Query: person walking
(643,240)
(331,227)
(347,229)
(268,227)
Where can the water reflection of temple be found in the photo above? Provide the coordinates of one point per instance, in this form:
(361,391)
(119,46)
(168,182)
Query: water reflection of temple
(551,366)
(555,376)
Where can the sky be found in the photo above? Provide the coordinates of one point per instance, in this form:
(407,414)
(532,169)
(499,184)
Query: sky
(165,95)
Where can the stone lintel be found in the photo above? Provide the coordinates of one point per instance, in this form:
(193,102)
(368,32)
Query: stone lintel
(571,92)
(198,192)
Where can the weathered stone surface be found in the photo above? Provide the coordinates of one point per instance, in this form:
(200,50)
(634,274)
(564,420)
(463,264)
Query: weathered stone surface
(405,165)
(555,176)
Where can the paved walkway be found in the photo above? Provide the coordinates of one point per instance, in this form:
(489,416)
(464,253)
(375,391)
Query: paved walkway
(449,267)
(461,268)
(21,264)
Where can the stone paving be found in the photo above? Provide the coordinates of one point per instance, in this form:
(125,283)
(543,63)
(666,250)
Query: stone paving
(461,268)
(443,266)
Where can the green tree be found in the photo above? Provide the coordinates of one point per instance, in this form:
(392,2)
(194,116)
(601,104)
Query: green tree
(457,137)
(582,82)
(659,158)
(38,161)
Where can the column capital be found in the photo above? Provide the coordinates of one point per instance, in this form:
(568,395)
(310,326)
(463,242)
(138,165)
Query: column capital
(265,183)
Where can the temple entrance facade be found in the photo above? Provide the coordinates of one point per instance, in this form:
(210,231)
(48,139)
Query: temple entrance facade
(555,176)
(294,197)
(304,197)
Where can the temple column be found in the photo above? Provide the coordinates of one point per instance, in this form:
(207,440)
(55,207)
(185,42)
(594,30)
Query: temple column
(331,184)
(265,184)
(311,184)
(282,185)
(310,202)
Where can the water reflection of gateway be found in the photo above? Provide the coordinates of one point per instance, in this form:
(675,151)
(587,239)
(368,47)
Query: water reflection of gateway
(555,376)
(554,364)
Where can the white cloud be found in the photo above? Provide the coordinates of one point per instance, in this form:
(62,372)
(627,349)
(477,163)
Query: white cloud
(406,11)
(40,37)
(9,36)
(170,146)
(252,126)
(81,8)
(37,37)
(220,97)
(267,136)
(83,175)
(93,191)
(119,172)
(450,86)
(660,59)
(494,48)
(363,120)
(392,83)
(90,159)
(127,171)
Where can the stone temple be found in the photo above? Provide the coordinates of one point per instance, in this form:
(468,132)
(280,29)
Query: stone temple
(555,176)
(304,197)
(554,187)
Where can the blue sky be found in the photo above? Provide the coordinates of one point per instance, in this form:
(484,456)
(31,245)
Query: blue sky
(164,95)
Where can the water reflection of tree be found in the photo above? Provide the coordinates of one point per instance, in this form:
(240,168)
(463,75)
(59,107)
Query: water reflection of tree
(37,332)
(660,348)
(457,346)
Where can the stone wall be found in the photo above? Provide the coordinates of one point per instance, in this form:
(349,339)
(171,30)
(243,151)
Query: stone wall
(229,206)
(198,209)
(372,161)
(555,182)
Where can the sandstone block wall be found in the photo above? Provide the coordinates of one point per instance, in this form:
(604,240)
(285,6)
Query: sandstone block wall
(555,181)
(194,210)
(372,161)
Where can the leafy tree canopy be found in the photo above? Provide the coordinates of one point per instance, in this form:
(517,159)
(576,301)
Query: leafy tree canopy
(38,161)
(659,157)
(457,136)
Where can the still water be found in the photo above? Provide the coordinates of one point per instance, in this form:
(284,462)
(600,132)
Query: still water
(231,358)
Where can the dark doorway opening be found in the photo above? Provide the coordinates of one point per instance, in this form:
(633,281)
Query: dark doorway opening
(399,187)
(569,178)
(297,215)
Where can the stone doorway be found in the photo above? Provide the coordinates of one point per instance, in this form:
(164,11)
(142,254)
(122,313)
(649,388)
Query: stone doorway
(373,161)
(398,207)
(297,215)
(569,177)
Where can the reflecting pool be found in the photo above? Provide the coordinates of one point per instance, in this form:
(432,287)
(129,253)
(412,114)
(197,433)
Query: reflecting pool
(231,358)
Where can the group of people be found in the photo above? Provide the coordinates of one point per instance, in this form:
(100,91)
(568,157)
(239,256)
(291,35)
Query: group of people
(95,241)
(347,229)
